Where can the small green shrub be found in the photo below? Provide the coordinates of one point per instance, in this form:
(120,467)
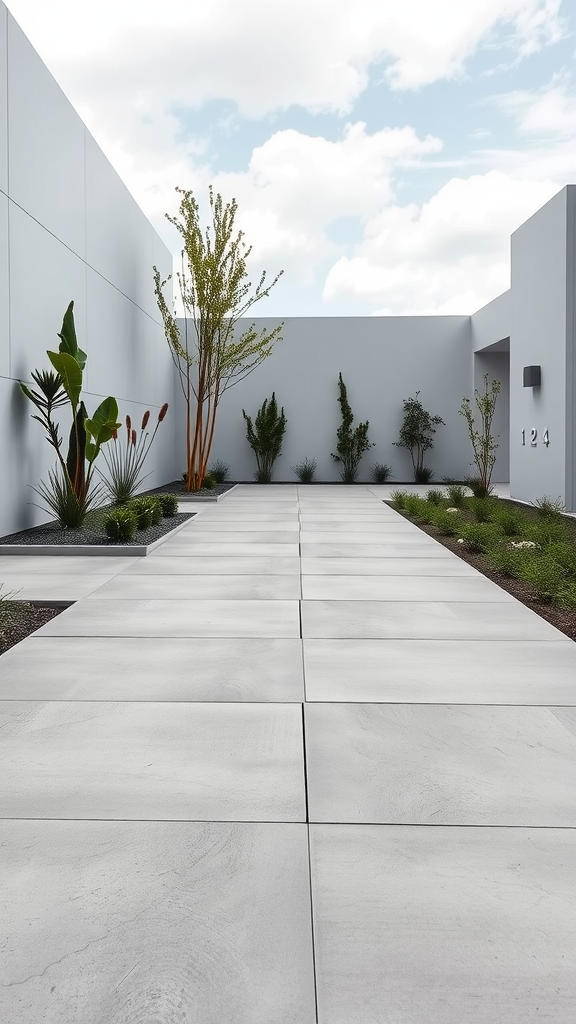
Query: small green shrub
(511,521)
(483,509)
(380,473)
(305,471)
(547,530)
(416,506)
(479,537)
(546,506)
(209,482)
(565,555)
(435,497)
(423,475)
(143,511)
(120,524)
(168,503)
(219,470)
(447,523)
(399,498)
(506,560)
(456,495)
(544,575)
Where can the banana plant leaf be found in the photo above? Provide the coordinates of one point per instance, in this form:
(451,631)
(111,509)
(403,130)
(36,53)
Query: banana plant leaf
(71,373)
(68,340)
(100,428)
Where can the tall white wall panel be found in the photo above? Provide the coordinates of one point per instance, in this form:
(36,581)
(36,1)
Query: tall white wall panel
(46,146)
(3,98)
(4,290)
(383,360)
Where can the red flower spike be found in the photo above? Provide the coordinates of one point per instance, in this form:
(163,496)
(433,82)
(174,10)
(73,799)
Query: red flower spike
(145,419)
(162,412)
(115,435)
(134,438)
(129,423)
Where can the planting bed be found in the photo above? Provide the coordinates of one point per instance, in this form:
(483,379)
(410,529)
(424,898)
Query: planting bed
(91,535)
(204,494)
(564,619)
(18,619)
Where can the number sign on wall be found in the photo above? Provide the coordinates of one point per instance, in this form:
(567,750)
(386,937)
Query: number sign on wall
(534,438)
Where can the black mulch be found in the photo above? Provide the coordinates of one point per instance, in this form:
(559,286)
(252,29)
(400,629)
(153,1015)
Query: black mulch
(52,533)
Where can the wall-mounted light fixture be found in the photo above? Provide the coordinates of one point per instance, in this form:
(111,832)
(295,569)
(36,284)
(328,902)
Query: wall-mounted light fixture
(532,376)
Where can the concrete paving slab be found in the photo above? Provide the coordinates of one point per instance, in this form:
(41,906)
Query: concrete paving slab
(439,765)
(440,620)
(158,761)
(174,588)
(199,546)
(379,535)
(67,564)
(52,586)
(153,669)
(441,671)
(390,588)
(141,921)
(200,537)
(176,618)
(448,925)
(400,547)
(200,565)
(247,525)
(374,567)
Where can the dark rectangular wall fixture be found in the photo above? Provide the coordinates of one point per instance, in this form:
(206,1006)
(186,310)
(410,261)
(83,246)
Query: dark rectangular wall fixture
(532,376)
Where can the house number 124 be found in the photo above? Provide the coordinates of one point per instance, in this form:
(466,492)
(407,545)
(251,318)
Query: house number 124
(534,438)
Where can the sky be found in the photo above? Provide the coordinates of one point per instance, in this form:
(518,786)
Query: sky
(381,153)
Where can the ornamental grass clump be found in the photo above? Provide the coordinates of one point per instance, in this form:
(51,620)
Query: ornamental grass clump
(120,525)
(125,461)
(544,575)
(547,530)
(415,506)
(447,524)
(549,507)
(511,521)
(456,495)
(219,470)
(305,471)
(483,509)
(399,498)
(435,496)
(380,473)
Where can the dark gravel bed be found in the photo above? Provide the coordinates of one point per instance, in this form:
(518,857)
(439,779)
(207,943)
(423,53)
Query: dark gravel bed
(564,619)
(18,619)
(52,533)
(177,487)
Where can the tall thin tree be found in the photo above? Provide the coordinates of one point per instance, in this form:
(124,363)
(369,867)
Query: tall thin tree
(209,357)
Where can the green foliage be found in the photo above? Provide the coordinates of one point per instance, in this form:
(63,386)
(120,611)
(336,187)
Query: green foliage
(479,537)
(145,510)
(168,504)
(351,444)
(416,435)
(511,521)
(543,574)
(478,487)
(566,596)
(86,436)
(565,555)
(209,356)
(120,524)
(484,510)
(399,498)
(483,442)
(435,496)
(209,482)
(506,560)
(547,530)
(219,470)
(456,495)
(305,471)
(59,497)
(416,506)
(265,437)
(549,507)
(447,523)
(380,473)
(125,461)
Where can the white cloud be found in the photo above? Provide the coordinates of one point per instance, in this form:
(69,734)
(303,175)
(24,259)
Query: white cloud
(547,111)
(449,255)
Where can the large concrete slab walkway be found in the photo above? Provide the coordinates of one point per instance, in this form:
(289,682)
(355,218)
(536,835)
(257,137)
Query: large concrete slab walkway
(302,765)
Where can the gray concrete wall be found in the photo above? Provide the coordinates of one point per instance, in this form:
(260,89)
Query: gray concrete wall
(491,324)
(542,333)
(383,360)
(69,229)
